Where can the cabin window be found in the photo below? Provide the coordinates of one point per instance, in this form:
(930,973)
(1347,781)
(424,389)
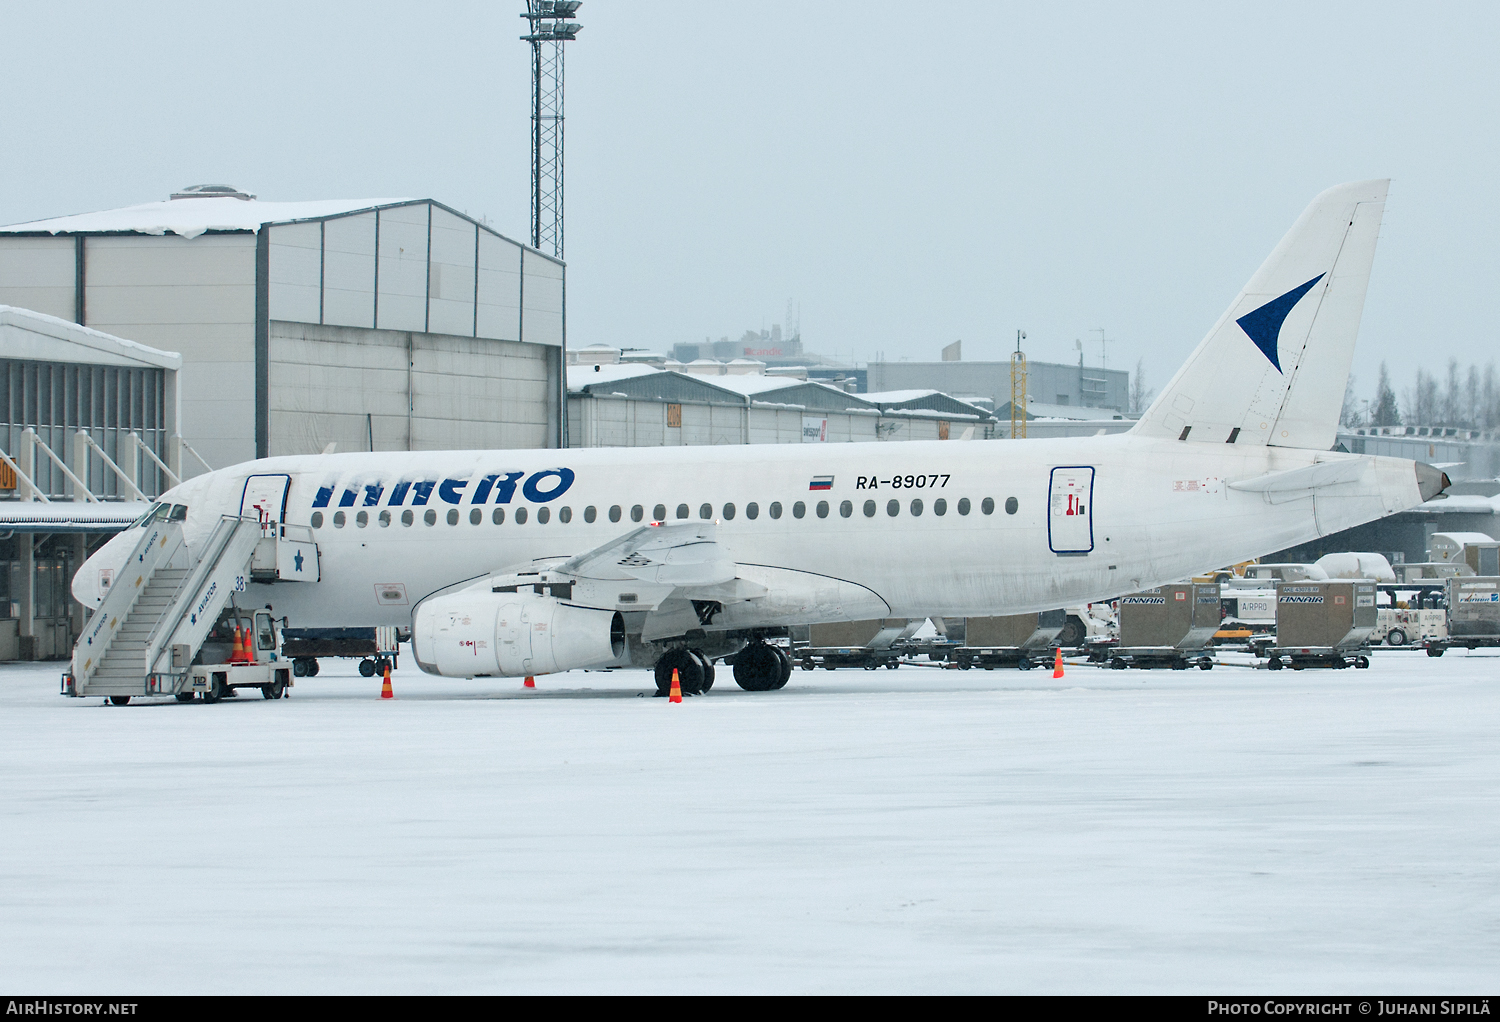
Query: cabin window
(476,516)
(497,516)
(682,511)
(362,519)
(822,509)
(799,510)
(453,516)
(338,519)
(1011,505)
(752,510)
(543,516)
(916,508)
(520,516)
(430,517)
(963,505)
(940,507)
(317,520)
(614,513)
(659,513)
(893,508)
(988,507)
(869,509)
(385,519)
(706,512)
(846,508)
(775,509)
(407,517)
(590,513)
(637,513)
(565,515)
(728,512)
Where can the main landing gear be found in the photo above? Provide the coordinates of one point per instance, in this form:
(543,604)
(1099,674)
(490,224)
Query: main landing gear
(761,667)
(695,672)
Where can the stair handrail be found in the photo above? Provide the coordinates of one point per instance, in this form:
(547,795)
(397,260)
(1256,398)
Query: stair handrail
(213,550)
(159,542)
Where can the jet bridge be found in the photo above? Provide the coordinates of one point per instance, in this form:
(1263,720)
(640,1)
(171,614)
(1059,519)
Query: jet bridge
(163,604)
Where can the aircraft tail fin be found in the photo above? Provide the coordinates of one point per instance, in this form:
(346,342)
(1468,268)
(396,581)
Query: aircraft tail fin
(1273,369)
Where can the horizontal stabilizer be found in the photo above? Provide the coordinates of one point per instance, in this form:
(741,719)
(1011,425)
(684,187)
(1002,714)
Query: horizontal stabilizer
(1312,477)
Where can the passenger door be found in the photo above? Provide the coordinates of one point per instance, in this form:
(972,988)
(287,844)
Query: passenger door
(1070,510)
(264,497)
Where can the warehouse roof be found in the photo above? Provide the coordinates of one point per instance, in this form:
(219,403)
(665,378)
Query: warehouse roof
(192,217)
(35,336)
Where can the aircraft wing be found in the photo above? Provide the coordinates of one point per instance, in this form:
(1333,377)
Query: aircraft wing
(684,555)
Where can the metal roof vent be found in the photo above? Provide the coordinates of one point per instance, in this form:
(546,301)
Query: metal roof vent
(212,192)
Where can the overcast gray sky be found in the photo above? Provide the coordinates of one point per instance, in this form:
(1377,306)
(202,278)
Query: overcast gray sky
(906,180)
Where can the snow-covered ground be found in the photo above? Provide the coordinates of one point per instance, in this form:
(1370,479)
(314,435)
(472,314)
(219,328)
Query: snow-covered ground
(915,830)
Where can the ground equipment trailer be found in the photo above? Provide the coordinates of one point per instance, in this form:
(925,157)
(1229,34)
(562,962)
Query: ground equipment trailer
(1323,624)
(868,644)
(1473,614)
(377,648)
(1022,641)
(1169,626)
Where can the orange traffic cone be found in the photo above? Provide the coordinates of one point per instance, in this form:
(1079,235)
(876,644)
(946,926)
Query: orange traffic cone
(1057,666)
(676,696)
(237,655)
(530,682)
(385,688)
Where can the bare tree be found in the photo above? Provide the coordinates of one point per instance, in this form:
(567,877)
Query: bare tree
(1140,397)
(1349,415)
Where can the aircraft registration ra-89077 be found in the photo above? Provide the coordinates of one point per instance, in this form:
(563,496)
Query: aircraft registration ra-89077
(511,563)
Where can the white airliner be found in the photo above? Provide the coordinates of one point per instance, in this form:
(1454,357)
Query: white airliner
(510,563)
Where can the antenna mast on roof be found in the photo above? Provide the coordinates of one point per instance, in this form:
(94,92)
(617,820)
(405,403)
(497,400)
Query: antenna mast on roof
(551,25)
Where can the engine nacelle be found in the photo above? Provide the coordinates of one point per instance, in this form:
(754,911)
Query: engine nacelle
(485,634)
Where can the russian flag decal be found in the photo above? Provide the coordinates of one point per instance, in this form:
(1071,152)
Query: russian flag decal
(821,483)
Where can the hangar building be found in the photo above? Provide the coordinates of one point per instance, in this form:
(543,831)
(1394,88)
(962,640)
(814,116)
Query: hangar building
(381,324)
(634,405)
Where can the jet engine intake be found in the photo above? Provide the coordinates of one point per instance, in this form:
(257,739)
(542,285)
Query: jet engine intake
(472,634)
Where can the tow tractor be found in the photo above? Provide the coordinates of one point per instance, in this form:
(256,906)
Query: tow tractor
(240,652)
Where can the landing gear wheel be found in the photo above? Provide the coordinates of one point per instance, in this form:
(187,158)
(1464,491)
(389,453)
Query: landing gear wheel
(786,667)
(708,669)
(758,668)
(119,700)
(689,672)
(367,668)
(186,697)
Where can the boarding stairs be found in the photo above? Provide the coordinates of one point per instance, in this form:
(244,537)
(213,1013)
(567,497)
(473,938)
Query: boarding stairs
(158,612)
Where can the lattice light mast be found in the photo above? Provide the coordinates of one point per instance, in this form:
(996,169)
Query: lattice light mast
(551,25)
(1018,390)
